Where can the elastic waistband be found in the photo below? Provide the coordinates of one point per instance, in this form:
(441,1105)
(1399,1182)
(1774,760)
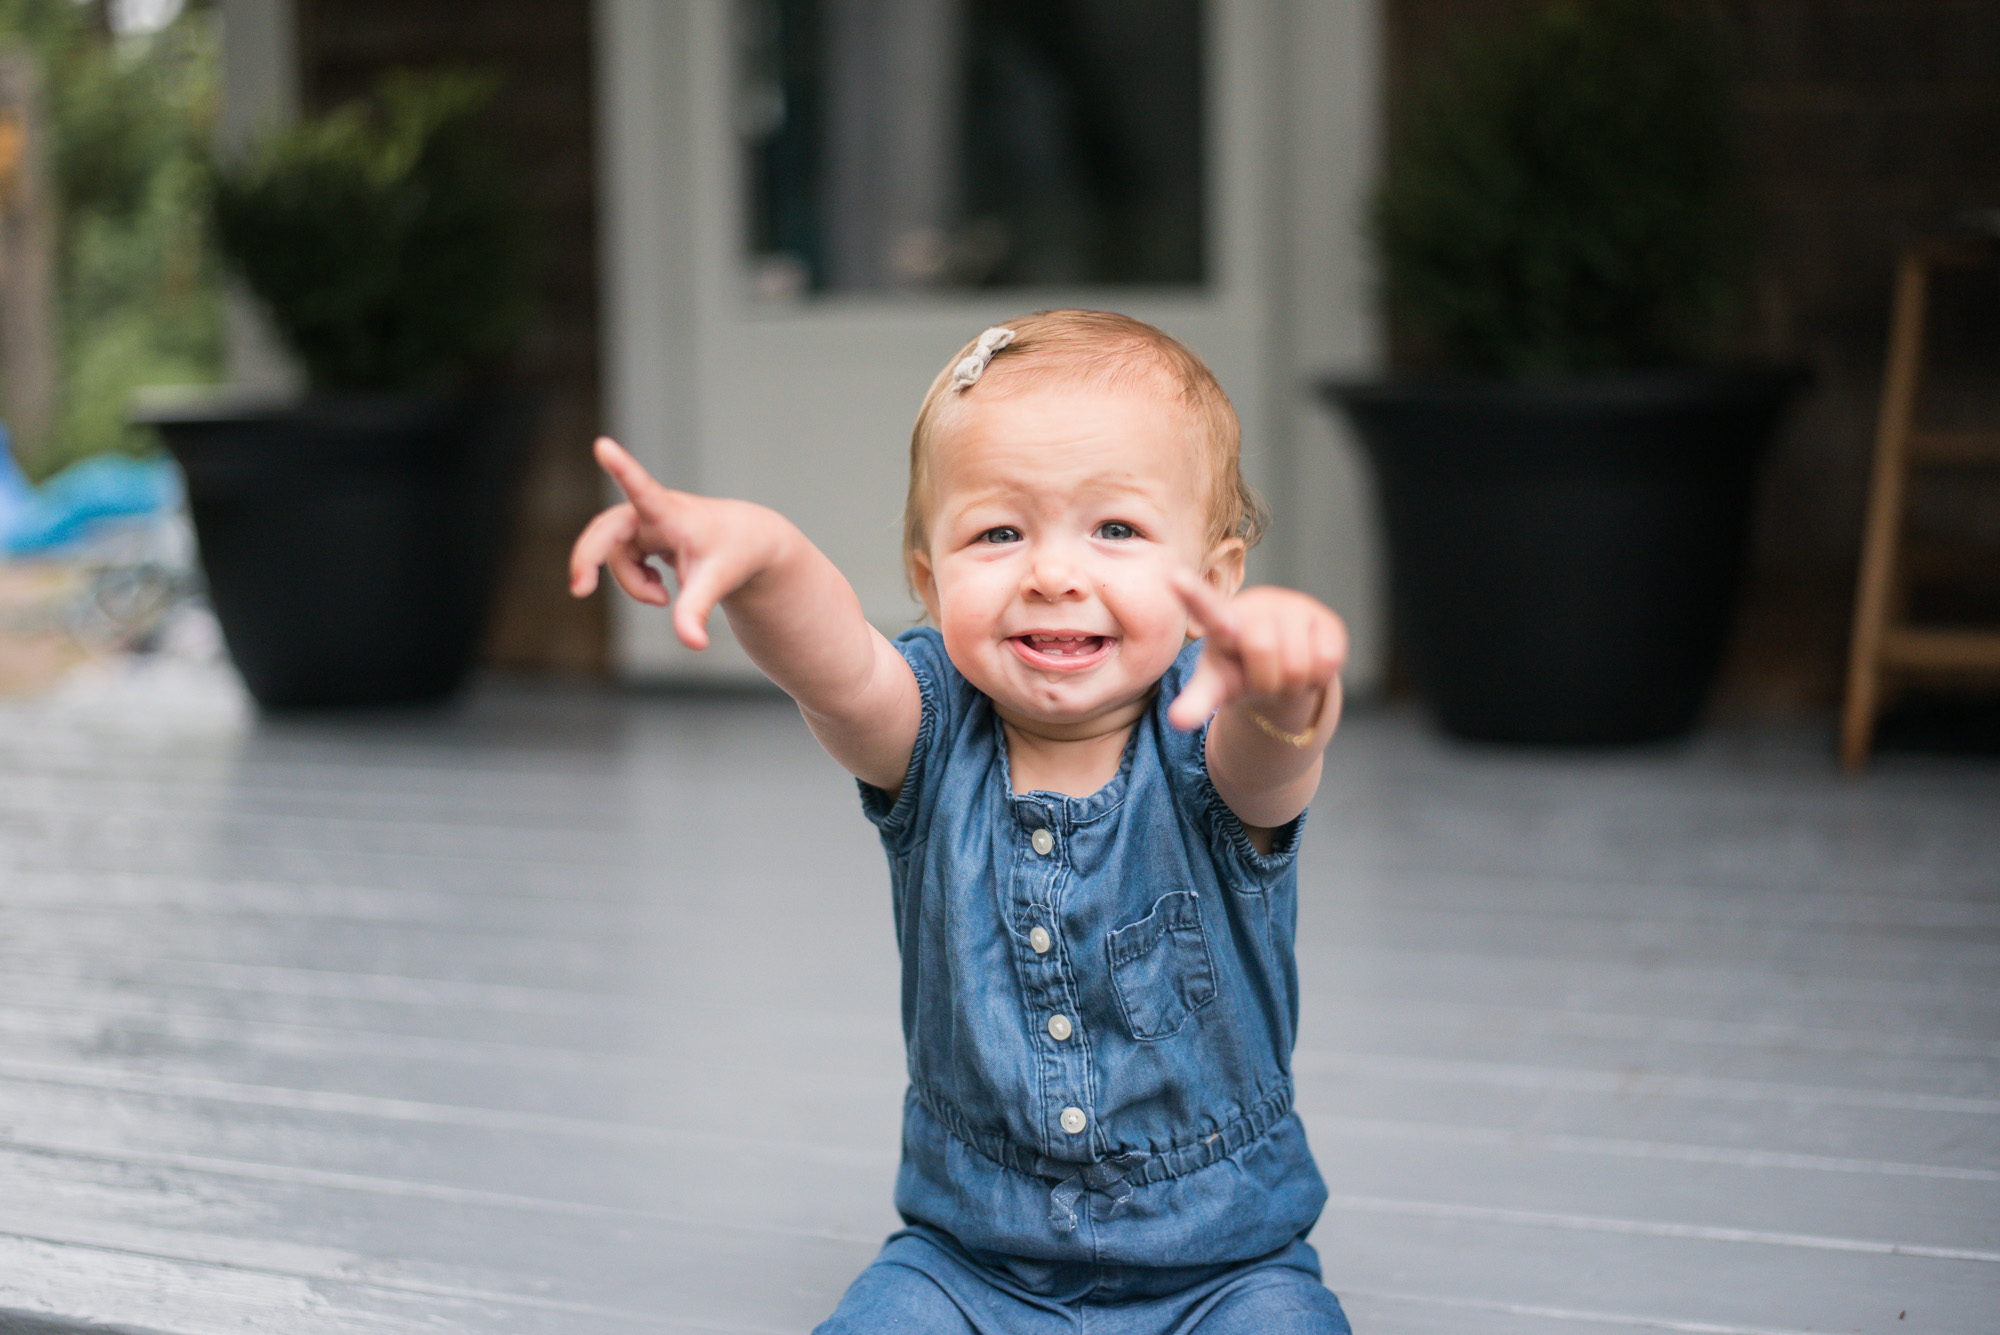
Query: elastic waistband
(1161,1165)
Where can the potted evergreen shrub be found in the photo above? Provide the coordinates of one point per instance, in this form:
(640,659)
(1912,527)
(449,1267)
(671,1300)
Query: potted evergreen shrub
(350,538)
(1567,480)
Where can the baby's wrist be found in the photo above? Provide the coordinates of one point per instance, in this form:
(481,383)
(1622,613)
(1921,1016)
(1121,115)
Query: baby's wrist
(1293,720)
(775,543)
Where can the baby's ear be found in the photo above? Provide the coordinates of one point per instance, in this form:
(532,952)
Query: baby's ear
(923,580)
(1223,570)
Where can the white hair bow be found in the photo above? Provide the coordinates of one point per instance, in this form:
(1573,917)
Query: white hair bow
(973,365)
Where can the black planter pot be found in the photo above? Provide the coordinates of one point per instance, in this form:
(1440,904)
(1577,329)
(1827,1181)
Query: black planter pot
(350,542)
(1565,556)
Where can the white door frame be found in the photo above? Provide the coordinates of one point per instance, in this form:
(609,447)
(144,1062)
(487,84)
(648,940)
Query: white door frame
(807,406)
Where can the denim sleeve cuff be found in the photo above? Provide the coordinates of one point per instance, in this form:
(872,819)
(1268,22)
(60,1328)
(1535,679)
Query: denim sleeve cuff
(894,819)
(1227,832)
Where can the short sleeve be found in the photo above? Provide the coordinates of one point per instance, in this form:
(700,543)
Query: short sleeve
(1199,802)
(937,686)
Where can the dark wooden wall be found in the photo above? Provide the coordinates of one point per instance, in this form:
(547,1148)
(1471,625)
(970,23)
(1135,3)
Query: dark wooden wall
(543,47)
(1863,123)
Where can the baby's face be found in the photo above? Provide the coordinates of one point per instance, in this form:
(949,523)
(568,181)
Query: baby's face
(1057,517)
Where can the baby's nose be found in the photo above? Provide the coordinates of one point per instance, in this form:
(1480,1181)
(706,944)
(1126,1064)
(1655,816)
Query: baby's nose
(1054,574)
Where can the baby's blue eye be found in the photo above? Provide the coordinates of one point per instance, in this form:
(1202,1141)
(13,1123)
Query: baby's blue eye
(1004,533)
(1116,530)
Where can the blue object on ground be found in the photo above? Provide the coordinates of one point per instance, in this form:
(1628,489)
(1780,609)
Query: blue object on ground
(16,495)
(77,501)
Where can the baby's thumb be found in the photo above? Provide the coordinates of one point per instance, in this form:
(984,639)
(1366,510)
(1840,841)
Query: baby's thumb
(1206,691)
(700,592)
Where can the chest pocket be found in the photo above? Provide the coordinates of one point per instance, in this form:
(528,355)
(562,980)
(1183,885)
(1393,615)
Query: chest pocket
(1160,967)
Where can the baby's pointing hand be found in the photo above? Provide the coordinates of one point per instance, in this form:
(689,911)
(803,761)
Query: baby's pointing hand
(1268,644)
(711,545)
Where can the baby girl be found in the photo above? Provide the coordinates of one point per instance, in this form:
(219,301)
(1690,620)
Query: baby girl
(1090,772)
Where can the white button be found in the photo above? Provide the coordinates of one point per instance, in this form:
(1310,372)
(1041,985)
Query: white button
(1039,941)
(1043,841)
(1059,1028)
(1072,1120)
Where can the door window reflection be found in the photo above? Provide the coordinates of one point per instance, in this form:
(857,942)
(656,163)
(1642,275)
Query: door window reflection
(908,145)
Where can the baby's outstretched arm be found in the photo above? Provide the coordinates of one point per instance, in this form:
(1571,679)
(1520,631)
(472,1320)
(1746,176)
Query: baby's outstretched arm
(791,609)
(1271,667)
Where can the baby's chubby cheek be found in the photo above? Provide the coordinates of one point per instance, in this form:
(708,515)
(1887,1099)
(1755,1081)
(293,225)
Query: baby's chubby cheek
(968,638)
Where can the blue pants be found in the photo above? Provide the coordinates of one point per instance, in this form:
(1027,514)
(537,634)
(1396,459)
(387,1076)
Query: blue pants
(924,1283)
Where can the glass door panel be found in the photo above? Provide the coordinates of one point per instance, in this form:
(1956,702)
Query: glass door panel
(908,145)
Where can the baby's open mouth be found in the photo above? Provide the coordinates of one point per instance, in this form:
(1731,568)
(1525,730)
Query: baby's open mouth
(1067,648)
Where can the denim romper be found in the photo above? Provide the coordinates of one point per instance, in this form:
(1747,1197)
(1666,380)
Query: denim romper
(1099,1000)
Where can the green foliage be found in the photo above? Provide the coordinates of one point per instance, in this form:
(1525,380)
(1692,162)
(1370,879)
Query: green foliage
(1563,198)
(129,122)
(383,237)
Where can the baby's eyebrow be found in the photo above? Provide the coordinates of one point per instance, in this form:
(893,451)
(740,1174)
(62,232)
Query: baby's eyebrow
(1113,491)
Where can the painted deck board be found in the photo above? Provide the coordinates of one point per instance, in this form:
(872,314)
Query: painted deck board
(576,1011)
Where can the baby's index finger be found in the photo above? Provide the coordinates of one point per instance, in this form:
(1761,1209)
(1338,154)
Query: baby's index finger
(630,475)
(1207,606)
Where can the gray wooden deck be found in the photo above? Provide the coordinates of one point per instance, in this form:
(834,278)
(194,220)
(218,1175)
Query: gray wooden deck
(576,1012)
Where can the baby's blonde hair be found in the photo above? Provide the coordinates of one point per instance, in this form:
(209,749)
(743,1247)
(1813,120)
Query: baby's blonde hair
(1115,351)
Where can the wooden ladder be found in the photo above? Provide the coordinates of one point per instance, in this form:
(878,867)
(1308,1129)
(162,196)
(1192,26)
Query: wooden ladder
(1884,643)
